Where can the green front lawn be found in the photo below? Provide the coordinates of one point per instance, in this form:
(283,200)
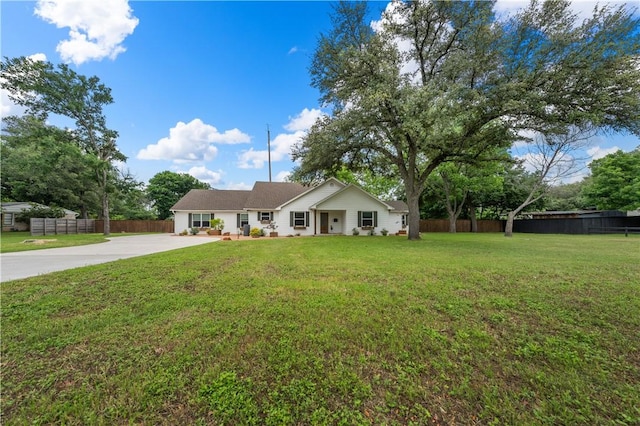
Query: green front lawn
(452,329)
(23,241)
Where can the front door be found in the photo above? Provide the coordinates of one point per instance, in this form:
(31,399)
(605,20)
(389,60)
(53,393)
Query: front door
(324,223)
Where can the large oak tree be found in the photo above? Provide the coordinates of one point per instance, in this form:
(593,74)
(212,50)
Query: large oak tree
(44,89)
(441,82)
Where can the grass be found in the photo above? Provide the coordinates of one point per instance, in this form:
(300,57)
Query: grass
(15,241)
(464,329)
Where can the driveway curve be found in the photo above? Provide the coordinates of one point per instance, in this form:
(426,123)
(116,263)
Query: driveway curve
(25,264)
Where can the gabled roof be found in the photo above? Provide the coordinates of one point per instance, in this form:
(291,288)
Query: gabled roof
(398,205)
(263,196)
(270,195)
(212,199)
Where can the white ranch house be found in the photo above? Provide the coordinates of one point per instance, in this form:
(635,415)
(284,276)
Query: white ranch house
(331,207)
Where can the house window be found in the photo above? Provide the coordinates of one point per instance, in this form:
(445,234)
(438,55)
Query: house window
(265,217)
(404,220)
(299,219)
(367,219)
(7,219)
(243,219)
(201,220)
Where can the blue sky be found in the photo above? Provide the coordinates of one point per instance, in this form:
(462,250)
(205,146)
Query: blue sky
(197,83)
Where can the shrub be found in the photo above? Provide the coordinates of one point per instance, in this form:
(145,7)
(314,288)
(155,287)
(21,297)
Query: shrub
(194,231)
(355,231)
(384,231)
(38,211)
(372,232)
(256,232)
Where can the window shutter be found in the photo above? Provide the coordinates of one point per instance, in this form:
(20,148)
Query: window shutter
(238,221)
(291,219)
(258,216)
(306,218)
(359,219)
(190,220)
(270,215)
(375,219)
(212,215)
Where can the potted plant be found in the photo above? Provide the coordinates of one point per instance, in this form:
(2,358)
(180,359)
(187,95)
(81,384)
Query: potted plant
(272,229)
(217,225)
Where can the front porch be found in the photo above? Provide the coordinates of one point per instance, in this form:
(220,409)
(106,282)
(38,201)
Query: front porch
(329,222)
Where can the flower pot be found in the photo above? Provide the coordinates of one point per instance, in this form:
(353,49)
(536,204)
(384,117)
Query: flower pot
(273,234)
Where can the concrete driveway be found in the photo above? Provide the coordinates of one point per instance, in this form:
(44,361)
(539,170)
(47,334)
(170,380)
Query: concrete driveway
(26,264)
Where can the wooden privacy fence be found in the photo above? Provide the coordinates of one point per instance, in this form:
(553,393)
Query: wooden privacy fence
(462,225)
(137,226)
(40,226)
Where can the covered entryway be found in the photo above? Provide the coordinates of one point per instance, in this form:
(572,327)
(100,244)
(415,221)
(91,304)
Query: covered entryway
(331,222)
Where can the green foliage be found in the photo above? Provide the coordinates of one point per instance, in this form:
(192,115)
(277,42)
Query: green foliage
(217,224)
(355,231)
(565,197)
(37,211)
(44,89)
(194,231)
(337,330)
(43,164)
(615,181)
(230,399)
(166,188)
(256,232)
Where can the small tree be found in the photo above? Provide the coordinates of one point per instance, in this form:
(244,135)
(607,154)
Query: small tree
(551,159)
(615,181)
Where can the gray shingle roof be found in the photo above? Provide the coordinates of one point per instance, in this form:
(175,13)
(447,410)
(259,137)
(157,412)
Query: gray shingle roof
(398,205)
(269,195)
(264,195)
(212,200)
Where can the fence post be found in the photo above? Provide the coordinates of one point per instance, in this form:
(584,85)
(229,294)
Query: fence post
(626,231)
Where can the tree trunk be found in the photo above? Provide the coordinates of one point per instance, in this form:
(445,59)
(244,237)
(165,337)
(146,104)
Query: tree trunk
(452,223)
(413,201)
(508,228)
(473,218)
(105,205)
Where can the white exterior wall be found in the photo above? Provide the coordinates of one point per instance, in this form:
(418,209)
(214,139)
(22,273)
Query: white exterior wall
(351,201)
(180,222)
(302,204)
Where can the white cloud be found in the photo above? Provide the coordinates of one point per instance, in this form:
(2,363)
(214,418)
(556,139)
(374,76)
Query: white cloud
(280,150)
(304,120)
(205,175)
(282,144)
(240,186)
(282,176)
(191,141)
(293,50)
(597,152)
(38,57)
(583,9)
(96,28)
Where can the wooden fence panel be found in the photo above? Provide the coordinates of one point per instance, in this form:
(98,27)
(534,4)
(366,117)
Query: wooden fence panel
(136,226)
(462,225)
(47,226)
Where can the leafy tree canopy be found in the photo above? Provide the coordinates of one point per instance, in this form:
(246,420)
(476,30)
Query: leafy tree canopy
(440,82)
(166,188)
(46,165)
(615,181)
